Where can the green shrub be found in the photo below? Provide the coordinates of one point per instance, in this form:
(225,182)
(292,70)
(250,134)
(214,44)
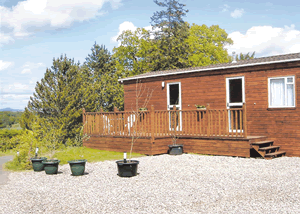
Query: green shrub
(25,145)
(10,133)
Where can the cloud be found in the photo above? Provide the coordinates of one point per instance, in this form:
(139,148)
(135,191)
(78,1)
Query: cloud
(15,101)
(266,40)
(28,66)
(123,27)
(4,65)
(127,26)
(31,16)
(237,13)
(5,39)
(225,8)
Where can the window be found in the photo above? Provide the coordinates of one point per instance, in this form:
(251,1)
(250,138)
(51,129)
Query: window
(282,92)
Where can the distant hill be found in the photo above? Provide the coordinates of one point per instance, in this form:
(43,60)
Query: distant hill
(10,109)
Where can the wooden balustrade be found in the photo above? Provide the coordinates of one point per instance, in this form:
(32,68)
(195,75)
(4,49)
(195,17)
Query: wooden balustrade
(153,123)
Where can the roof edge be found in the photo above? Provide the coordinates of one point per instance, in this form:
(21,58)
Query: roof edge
(207,69)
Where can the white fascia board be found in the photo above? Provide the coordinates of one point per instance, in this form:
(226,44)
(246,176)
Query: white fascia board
(209,69)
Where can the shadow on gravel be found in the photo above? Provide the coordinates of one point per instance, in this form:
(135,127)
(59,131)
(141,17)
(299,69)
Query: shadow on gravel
(86,173)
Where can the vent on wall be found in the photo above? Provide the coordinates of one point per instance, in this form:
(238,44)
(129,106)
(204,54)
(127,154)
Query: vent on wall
(233,57)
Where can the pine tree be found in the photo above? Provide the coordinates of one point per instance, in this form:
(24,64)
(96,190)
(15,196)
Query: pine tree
(170,33)
(100,68)
(60,96)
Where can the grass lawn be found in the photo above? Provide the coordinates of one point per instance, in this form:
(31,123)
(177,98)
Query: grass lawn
(91,155)
(7,153)
(73,153)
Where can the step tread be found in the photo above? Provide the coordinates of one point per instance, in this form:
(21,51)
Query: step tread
(274,153)
(262,142)
(268,147)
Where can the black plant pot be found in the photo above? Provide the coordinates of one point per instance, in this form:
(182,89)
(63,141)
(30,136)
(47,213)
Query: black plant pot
(77,167)
(176,149)
(127,169)
(37,164)
(51,166)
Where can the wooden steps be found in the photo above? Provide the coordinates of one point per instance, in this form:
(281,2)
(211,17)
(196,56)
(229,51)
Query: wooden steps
(266,149)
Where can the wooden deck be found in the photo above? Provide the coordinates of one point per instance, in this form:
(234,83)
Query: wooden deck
(208,131)
(229,123)
(192,144)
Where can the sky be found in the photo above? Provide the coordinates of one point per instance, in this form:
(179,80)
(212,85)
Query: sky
(33,32)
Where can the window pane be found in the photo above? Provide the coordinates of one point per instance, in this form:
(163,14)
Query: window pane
(174,94)
(277,92)
(235,91)
(290,95)
(290,80)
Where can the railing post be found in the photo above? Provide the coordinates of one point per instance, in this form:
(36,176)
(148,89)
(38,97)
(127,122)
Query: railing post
(208,119)
(245,120)
(83,121)
(152,123)
(115,129)
(175,122)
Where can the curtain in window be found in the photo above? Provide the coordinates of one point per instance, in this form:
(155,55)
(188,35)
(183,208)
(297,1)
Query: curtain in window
(290,94)
(277,92)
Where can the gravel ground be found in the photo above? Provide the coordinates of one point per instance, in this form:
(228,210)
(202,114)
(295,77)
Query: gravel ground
(165,184)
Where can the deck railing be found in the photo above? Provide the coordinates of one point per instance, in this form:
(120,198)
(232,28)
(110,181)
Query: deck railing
(155,123)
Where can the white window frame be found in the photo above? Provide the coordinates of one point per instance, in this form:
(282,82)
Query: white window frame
(179,106)
(234,104)
(285,89)
(227,91)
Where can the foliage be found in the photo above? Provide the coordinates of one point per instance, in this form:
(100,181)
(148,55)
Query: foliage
(170,34)
(26,144)
(79,139)
(245,56)
(59,98)
(206,45)
(27,119)
(5,133)
(100,70)
(199,106)
(175,44)
(8,118)
(6,142)
(132,56)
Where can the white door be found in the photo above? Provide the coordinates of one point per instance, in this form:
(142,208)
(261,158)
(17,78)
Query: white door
(174,99)
(235,97)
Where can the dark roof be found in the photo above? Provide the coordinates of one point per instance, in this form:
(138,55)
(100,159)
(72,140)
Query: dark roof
(242,63)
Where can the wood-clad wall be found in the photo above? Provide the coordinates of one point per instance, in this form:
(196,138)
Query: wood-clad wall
(281,125)
(210,146)
(119,144)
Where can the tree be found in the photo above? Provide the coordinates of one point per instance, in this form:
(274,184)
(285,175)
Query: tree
(60,96)
(27,119)
(206,45)
(244,56)
(170,33)
(102,76)
(132,56)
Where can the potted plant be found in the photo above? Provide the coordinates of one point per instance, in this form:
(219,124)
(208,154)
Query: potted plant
(77,166)
(51,165)
(200,107)
(128,168)
(174,149)
(143,109)
(36,161)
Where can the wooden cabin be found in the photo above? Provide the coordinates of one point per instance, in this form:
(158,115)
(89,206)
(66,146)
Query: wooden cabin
(250,110)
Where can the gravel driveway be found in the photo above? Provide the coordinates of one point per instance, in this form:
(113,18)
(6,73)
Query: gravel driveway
(4,174)
(166,184)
